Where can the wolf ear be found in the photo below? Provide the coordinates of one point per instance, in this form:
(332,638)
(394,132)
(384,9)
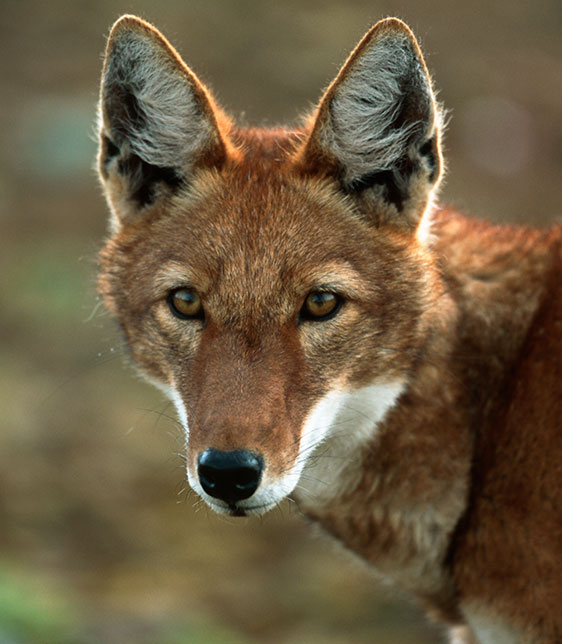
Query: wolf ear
(158,123)
(376,129)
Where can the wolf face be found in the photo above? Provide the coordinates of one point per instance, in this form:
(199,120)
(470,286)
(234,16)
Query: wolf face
(275,284)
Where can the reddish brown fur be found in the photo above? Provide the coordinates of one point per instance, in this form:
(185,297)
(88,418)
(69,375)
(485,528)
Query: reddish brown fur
(457,497)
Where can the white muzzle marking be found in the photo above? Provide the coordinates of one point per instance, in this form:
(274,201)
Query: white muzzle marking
(338,425)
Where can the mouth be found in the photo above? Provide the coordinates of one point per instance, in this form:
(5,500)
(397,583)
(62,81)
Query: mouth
(239,509)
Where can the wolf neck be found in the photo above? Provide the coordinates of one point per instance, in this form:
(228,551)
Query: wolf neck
(398,499)
(395,497)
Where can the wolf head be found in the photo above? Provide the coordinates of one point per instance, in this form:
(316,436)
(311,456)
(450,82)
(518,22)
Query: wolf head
(277,285)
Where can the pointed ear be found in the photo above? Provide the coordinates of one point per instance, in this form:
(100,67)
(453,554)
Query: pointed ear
(376,130)
(158,123)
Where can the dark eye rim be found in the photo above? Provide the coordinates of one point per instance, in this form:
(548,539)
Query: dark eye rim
(306,316)
(200,315)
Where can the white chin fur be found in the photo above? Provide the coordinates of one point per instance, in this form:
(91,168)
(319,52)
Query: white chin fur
(250,509)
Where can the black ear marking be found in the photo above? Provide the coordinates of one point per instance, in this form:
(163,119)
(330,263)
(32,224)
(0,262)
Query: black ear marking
(428,151)
(426,148)
(390,181)
(394,182)
(128,121)
(110,150)
(144,178)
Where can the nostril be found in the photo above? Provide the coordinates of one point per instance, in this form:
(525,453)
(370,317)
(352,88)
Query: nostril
(230,476)
(231,482)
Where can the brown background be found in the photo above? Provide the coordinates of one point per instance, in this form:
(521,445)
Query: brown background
(99,539)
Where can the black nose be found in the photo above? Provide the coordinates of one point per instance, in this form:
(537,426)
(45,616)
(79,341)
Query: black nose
(230,476)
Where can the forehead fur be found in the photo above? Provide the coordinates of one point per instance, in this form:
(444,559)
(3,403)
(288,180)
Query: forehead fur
(260,208)
(258,231)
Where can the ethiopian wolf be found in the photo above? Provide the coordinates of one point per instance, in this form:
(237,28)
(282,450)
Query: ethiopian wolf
(327,331)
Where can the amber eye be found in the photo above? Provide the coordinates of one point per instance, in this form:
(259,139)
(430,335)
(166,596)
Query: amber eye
(185,304)
(320,306)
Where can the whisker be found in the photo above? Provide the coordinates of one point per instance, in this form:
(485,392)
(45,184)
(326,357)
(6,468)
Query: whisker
(96,362)
(159,414)
(95,310)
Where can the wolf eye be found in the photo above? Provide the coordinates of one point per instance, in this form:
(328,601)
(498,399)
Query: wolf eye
(185,304)
(320,305)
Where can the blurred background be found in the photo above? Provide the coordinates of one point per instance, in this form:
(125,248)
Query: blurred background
(100,541)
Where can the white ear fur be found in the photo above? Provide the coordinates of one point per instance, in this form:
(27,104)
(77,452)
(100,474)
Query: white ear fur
(149,103)
(368,131)
(157,121)
(376,130)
